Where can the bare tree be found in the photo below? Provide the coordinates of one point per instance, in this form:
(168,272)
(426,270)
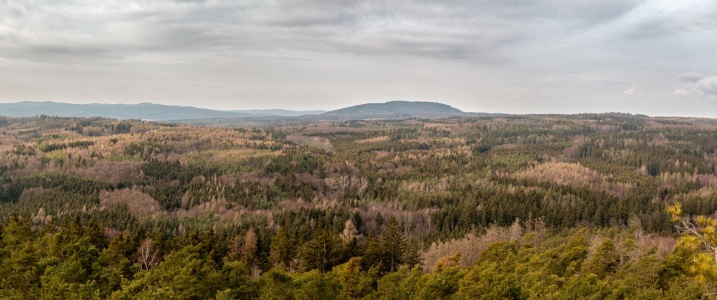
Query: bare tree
(350,232)
(147,254)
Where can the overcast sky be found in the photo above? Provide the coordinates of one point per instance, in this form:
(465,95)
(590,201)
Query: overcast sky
(657,57)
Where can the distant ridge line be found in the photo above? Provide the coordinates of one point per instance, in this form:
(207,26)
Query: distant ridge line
(162,112)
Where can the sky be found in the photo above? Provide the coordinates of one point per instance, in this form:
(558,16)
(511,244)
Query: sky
(655,57)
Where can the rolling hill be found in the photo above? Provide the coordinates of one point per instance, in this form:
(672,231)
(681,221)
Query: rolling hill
(189,114)
(394,110)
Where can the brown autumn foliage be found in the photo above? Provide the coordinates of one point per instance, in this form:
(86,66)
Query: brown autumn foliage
(573,174)
(472,245)
(138,202)
(310,141)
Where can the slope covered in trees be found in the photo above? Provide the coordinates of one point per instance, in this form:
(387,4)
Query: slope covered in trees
(394,110)
(465,207)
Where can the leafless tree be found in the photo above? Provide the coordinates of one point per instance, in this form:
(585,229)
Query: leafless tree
(147,254)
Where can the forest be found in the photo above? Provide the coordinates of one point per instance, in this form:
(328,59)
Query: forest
(594,206)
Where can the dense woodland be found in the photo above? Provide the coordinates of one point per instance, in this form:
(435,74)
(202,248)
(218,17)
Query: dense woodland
(600,206)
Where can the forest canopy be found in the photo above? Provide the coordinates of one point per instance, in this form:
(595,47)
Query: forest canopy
(494,207)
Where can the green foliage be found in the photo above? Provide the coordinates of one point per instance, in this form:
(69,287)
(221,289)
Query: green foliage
(406,283)
(282,250)
(390,251)
(243,213)
(322,252)
(185,274)
(355,284)
(67,261)
(603,261)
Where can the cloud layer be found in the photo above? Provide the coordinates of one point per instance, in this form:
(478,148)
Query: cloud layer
(473,54)
(699,84)
(69,30)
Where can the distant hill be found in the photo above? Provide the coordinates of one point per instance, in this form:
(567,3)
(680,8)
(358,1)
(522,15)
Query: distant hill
(194,115)
(143,111)
(394,110)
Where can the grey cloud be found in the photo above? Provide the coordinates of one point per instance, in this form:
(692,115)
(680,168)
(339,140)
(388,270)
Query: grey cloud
(697,83)
(707,86)
(443,29)
(691,77)
(479,52)
(655,27)
(658,24)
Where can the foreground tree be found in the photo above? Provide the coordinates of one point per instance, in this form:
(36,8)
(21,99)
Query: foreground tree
(697,246)
(185,274)
(322,252)
(282,250)
(390,250)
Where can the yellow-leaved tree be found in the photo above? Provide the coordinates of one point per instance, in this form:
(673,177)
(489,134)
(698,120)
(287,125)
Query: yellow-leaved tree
(699,240)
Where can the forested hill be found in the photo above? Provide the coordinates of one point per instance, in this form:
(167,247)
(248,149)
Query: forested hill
(189,114)
(394,110)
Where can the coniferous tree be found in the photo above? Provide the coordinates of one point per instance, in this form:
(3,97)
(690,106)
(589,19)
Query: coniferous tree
(393,246)
(282,251)
(603,261)
(322,252)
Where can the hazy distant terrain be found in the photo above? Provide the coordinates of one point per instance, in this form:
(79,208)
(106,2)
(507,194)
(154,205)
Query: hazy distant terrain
(202,116)
(142,111)
(280,112)
(393,110)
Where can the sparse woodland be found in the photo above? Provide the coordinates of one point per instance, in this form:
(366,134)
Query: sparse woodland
(611,206)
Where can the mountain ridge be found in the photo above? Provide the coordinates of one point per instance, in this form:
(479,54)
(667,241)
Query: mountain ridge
(162,112)
(143,111)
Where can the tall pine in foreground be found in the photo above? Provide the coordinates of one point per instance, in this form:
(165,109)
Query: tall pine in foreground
(394,246)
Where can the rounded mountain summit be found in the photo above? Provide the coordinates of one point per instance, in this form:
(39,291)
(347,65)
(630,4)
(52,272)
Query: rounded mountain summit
(395,110)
